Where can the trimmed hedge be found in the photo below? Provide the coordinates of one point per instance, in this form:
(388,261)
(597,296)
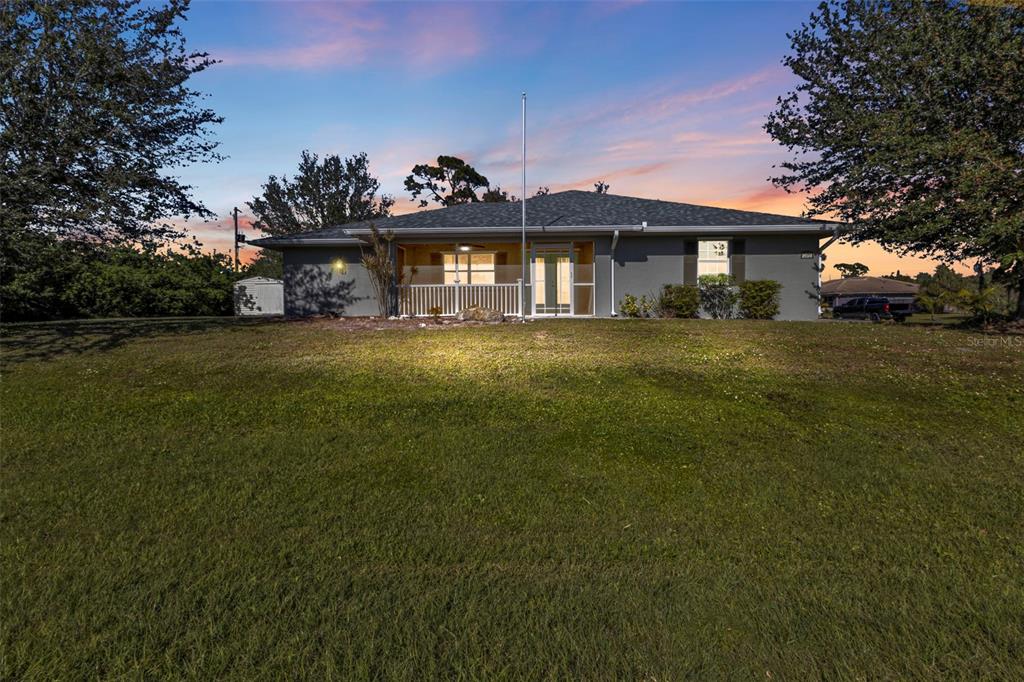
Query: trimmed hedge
(718,295)
(759,299)
(678,300)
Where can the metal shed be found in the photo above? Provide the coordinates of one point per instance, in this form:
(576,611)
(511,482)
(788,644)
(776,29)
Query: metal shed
(259,296)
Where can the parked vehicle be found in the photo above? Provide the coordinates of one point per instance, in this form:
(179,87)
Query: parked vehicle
(871,308)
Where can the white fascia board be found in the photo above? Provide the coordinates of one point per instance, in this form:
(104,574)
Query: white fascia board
(511,229)
(740,229)
(309,241)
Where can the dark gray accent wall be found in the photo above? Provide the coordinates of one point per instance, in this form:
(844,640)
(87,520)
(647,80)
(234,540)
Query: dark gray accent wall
(314,286)
(644,264)
(778,258)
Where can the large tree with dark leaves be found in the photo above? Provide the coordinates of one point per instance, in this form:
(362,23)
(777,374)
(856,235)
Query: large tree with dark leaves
(332,191)
(452,181)
(908,121)
(95,109)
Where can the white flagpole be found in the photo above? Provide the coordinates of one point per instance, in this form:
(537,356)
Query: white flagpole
(523,302)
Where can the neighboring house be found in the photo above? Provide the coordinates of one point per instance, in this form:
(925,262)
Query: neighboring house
(838,291)
(585,251)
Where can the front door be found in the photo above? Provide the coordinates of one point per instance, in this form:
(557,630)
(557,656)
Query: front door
(552,276)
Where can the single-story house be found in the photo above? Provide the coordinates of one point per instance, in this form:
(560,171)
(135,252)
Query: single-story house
(838,291)
(584,252)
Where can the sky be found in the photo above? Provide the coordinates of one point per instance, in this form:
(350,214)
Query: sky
(660,100)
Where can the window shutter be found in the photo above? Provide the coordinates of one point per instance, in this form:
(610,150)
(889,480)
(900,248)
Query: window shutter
(738,259)
(690,262)
(435,258)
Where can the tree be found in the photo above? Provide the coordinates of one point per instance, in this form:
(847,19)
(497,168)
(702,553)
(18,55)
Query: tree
(852,269)
(333,191)
(268,263)
(378,262)
(900,277)
(95,107)
(908,122)
(932,301)
(944,277)
(542,190)
(452,181)
(497,195)
(602,187)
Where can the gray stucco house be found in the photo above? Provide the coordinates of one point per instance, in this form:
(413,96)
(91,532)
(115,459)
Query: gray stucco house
(584,252)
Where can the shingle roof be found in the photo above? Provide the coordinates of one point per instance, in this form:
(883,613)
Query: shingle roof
(867,286)
(573,208)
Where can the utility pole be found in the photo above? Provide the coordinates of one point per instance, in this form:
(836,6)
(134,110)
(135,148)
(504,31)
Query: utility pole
(235,214)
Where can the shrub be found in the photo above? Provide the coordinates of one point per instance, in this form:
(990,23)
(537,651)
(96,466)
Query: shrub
(717,295)
(984,306)
(678,300)
(759,299)
(43,278)
(933,299)
(632,306)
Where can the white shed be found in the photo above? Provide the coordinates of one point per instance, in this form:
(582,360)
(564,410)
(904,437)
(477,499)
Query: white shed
(259,296)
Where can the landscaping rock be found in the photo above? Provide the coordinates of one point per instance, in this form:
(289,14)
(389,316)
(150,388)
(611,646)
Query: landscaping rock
(478,314)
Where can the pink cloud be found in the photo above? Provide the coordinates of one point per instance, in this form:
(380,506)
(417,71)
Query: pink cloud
(300,57)
(443,33)
(610,177)
(342,35)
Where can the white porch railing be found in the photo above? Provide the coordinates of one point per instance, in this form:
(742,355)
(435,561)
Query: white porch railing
(417,299)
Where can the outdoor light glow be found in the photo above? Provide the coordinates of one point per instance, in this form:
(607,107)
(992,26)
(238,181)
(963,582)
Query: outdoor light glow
(340,266)
(464,247)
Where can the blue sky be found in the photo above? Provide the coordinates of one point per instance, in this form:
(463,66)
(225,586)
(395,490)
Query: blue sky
(661,100)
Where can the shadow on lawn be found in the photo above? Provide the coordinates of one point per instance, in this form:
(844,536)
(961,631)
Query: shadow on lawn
(48,340)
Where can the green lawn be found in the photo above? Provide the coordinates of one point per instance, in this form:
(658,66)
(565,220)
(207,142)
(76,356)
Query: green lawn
(644,500)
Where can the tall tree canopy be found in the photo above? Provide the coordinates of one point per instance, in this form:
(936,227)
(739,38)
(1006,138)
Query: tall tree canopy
(333,191)
(908,121)
(95,108)
(452,181)
(852,269)
(496,195)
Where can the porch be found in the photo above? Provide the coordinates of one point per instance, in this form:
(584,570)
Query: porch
(445,278)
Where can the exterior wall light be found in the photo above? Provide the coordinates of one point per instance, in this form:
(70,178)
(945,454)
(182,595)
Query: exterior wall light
(339,266)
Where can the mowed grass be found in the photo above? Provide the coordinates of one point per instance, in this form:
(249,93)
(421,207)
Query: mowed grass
(567,499)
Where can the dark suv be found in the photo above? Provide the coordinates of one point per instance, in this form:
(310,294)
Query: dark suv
(866,308)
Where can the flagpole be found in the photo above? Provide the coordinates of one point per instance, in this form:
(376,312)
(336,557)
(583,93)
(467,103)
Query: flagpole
(523,302)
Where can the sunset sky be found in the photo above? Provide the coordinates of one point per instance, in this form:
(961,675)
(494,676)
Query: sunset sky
(661,100)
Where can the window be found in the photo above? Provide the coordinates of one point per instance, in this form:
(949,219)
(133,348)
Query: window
(469,268)
(712,257)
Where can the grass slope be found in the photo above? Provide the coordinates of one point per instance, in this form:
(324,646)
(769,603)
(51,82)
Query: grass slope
(599,499)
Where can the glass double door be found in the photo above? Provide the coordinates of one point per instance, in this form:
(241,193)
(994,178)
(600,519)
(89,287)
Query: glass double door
(552,280)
